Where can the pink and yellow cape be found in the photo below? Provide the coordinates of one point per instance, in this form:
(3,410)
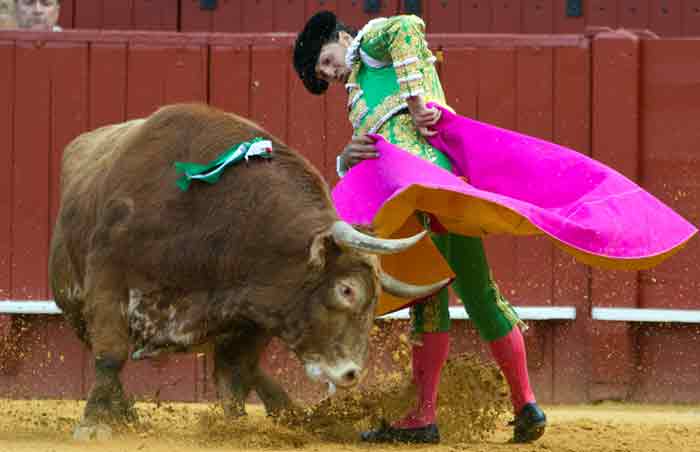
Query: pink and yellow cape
(506,183)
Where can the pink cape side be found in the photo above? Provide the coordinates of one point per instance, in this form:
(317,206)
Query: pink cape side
(519,185)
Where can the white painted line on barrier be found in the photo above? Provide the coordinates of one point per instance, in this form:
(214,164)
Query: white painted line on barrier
(29,307)
(525,313)
(457,312)
(647,315)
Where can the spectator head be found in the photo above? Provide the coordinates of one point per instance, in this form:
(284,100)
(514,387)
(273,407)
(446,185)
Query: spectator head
(41,15)
(7,14)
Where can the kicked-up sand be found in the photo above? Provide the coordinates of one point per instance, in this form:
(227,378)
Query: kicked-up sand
(473,416)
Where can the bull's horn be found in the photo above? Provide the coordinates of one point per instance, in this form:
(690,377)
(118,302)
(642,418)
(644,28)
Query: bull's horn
(345,235)
(404,290)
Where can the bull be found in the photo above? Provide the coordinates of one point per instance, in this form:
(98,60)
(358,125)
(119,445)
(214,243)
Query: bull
(140,267)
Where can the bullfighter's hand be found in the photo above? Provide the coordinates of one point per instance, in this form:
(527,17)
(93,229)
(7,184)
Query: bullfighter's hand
(360,148)
(423,117)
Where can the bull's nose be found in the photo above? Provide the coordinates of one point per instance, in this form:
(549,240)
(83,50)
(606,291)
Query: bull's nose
(351,376)
(345,374)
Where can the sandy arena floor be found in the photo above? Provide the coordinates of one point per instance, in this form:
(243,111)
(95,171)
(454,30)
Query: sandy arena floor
(473,415)
(45,426)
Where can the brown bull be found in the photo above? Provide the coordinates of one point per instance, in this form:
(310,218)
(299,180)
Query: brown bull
(135,262)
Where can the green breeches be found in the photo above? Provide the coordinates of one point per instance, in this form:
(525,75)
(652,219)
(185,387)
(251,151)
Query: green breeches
(488,310)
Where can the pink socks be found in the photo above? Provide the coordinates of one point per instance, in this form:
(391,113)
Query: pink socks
(509,353)
(428,360)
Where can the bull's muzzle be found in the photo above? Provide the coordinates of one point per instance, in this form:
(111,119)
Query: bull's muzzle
(344,374)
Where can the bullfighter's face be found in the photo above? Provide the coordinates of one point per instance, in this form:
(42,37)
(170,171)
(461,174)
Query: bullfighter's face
(41,15)
(331,65)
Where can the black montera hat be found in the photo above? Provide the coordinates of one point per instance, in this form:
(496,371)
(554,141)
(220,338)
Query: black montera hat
(317,31)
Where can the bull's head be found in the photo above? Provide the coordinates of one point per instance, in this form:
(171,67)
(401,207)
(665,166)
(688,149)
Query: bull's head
(341,310)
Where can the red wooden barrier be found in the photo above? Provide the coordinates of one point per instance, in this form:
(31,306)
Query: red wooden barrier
(7,57)
(610,100)
(123,15)
(571,127)
(616,66)
(670,166)
(7,107)
(666,17)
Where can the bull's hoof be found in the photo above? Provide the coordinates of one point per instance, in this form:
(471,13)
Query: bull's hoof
(118,410)
(93,432)
(234,410)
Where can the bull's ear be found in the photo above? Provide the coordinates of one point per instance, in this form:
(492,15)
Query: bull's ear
(323,247)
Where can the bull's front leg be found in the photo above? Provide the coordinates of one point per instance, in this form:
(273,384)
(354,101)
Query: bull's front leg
(237,372)
(109,337)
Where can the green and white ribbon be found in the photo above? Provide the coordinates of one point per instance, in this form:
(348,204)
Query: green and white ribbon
(211,172)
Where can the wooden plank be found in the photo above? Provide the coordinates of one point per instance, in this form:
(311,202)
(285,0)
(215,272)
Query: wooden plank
(228,17)
(670,164)
(615,107)
(538,16)
(669,364)
(443,16)
(155,15)
(186,74)
(572,93)
(338,128)
(665,17)
(257,16)
(534,92)
(507,16)
(27,382)
(633,14)
(691,18)
(616,102)
(192,18)
(229,79)
(571,128)
(475,17)
(69,108)
(158,75)
(601,13)
(306,122)
(65,20)
(268,91)
(460,80)
(145,86)
(565,24)
(108,84)
(30,225)
(289,16)
(351,13)
(88,14)
(117,14)
(7,90)
(62,373)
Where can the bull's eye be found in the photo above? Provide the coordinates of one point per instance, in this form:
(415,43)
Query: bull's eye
(346,291)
